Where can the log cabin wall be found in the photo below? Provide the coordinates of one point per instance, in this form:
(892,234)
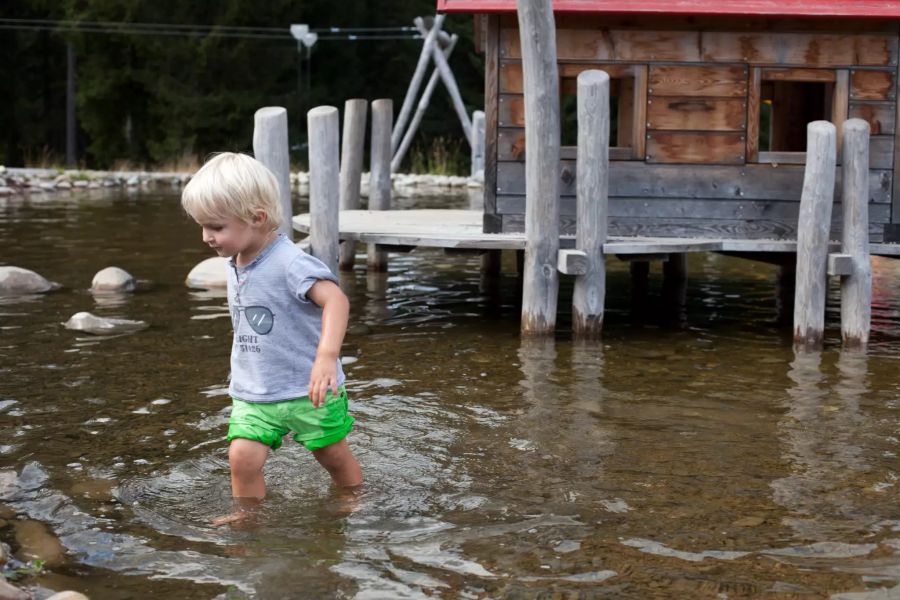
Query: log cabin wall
(687,95)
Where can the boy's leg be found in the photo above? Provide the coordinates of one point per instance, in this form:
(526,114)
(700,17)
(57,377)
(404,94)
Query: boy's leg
(246,458)
(340,464)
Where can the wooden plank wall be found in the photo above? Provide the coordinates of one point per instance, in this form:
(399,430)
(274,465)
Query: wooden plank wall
(690,169)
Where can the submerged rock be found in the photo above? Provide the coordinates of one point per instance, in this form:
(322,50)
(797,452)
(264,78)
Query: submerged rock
(68,595)
(37,542)
(15,280)
(113,279)
(85,321)
(211,273)
(10,592)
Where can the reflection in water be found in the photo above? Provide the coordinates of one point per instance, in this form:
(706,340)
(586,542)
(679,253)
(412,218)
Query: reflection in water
(822,429)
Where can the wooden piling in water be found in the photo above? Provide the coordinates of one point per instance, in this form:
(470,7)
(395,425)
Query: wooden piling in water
(270,147)
(352,149)
(537,31)
(478,140)
(812,236)
(324,184)
(856,287)
(592,201)
(380,173)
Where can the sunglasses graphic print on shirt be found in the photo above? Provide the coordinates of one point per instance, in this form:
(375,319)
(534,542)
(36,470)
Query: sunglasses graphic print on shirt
(259,318)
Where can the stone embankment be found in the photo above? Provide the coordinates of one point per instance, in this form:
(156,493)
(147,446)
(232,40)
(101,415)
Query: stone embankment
(15,181)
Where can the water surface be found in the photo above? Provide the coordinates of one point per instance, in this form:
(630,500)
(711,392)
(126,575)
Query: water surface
(688,457)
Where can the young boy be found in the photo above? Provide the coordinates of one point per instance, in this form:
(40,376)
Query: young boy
(289,318)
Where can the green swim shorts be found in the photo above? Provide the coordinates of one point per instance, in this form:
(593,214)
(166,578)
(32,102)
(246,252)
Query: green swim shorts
(268,422)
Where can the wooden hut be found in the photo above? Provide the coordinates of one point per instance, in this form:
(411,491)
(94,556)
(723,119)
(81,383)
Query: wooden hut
(709,105)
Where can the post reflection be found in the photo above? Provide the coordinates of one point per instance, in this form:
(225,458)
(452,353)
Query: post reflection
(821,432)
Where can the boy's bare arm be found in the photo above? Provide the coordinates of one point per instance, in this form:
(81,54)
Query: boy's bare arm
(335,313)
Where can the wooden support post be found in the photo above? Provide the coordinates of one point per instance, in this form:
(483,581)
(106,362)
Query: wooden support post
(640,288)
(537,32)
(785,288)
(592,201)
(674,290)
(352,150)
(856,288)
(324,184)
(380,172)
(812,236)
(416,81)
(420,110)
(270,146)
(477,169)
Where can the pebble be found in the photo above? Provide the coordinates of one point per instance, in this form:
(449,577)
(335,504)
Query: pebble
(749,522)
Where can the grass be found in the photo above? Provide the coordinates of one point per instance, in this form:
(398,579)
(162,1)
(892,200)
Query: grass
(442,156)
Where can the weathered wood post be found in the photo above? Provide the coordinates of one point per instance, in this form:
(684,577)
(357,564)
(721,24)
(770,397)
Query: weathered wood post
(812,236)
(352,148)
(592,201)
(270,146)
(380,173)
(674,288)
(421,107)
(856,287)
(478,140)
(537,32)
(324,184)
(416,80)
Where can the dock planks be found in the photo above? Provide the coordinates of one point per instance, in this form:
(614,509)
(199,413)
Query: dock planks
(462,229)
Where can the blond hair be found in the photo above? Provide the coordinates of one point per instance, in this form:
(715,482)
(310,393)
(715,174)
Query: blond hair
(232,185)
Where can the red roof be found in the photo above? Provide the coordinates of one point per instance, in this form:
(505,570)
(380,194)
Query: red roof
(773,8)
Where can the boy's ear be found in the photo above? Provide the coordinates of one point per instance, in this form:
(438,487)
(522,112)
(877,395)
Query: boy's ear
(260,216)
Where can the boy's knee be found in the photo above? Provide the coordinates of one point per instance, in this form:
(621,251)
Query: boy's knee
(246,457)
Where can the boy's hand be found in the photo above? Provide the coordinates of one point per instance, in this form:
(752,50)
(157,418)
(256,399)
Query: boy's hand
(322,377)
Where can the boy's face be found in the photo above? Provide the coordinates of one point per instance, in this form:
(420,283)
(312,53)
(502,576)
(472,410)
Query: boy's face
(229,236)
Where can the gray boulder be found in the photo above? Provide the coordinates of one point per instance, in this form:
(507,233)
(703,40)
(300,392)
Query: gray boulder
(85,321)
(15,280)
(113,279)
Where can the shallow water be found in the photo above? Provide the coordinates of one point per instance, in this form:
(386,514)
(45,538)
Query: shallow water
(687,457)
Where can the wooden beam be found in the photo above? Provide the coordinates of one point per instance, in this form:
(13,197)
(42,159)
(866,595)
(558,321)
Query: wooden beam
(572,262)
(840,264)
(753,101)
(490,224)
(639,116)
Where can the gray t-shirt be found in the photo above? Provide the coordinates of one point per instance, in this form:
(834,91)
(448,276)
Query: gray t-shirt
(276,327)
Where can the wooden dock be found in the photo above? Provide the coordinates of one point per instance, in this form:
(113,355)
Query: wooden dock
(461,230)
